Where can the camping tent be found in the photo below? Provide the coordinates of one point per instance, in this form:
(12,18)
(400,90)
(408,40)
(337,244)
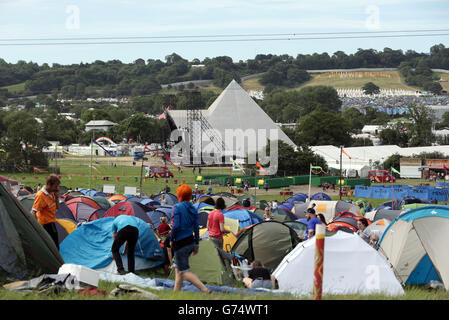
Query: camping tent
(351,266)
(171,198)
(90,245)
(210,265)
(383,214)
(63,212)
(245,217)
(129,208)
(415,245)
(64,227)
(116,198)
(83,207)
(320,196)
(27,201)
(344,221)
(299,227)
(328,208)
(26,249)
(229,239)
(268,241)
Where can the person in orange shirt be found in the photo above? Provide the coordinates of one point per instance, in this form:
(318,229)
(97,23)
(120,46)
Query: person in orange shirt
(45,205)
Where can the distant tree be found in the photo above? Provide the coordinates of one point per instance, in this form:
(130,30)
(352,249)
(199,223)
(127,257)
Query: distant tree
(370,88)
(421,127)
(323,128)
(392,161)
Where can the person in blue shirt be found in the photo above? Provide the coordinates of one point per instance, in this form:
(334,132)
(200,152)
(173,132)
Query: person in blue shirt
(312,221)
(184,238)
(124,231)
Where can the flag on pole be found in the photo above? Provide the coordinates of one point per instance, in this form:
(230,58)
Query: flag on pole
(395,171)
(236,165)
(445,168)
(343,150)
(260,166)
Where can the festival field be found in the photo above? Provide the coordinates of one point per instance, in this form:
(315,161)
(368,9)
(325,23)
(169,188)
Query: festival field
(347,80)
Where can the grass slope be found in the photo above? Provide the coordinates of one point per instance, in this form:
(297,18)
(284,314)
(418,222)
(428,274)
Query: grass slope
(384,80)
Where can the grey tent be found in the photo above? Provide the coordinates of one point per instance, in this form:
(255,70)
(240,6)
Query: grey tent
(26,249)
(383,214)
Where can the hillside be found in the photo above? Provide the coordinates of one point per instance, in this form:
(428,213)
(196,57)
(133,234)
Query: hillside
(349,80)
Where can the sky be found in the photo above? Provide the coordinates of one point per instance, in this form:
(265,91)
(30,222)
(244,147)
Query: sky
(60,19)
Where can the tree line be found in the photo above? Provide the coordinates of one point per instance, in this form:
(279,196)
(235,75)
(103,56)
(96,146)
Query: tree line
(114,78)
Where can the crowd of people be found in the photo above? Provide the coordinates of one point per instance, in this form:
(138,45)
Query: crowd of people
(394,104)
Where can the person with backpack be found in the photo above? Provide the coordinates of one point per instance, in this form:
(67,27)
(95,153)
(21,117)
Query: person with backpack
(184,238)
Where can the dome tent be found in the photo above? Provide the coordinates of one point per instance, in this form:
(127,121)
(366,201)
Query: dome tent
(267,241)
(415,244)
(351,266)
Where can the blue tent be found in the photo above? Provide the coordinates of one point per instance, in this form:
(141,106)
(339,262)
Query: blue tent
(422,255)
(90,244)
(246,218)
(171,198)
(156,215)
(320,196)
(150,202)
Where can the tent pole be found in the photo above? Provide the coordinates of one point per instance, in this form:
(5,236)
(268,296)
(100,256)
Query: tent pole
(310,179)
(341,168)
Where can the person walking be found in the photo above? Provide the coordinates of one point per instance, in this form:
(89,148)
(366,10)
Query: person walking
(45,205)
(124,231)
(184,238)
(215,224)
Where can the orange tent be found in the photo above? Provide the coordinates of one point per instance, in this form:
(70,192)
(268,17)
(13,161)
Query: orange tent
(117,198)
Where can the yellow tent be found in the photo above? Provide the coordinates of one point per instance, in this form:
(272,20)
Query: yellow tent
(228,239)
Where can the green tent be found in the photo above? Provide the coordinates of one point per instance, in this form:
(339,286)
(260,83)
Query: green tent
(210,265)
(415,205)
(27,201)
(268,242)
(26,249)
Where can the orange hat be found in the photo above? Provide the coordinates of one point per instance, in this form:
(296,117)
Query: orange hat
(184,193)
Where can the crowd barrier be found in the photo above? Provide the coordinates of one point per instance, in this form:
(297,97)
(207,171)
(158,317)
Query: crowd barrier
(398,192)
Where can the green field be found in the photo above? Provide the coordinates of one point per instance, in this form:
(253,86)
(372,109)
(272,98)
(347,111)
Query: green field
(445,83)
(384,80)
(15,88)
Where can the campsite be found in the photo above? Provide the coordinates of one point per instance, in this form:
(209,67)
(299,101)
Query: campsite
(223,158)
(79,212)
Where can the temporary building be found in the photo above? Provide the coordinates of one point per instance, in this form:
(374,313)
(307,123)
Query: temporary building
(415,244)
(245,217)
(383,214)
(83,207)
(210,264)
(26,249)
(235,111)
(350,266)
(328,208)
(268,242)
(129,208)
(90,245)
